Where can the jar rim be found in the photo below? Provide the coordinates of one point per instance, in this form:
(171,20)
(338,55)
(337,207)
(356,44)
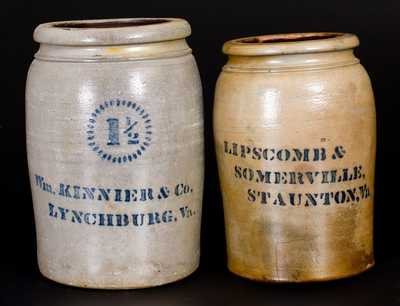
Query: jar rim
(290,43)
(118,31)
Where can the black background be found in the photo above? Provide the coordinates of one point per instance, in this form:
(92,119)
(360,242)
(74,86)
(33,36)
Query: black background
(377,23)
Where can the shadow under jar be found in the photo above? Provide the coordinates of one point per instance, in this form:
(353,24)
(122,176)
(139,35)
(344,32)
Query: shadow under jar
(294,126)
(115,150)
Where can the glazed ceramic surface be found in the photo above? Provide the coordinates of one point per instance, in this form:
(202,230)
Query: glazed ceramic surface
(294,125)
(115,149)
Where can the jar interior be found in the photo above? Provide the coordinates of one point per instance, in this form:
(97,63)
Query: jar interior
(109,24)
(289,38)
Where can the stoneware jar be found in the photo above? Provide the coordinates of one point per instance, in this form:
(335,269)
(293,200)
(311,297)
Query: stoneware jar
(294,125)
(115,150)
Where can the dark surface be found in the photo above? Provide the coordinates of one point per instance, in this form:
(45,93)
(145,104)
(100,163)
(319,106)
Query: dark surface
(377,23)
(379,286)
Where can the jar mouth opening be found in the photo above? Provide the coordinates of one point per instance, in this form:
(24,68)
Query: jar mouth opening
(282,38)
(120,31)
(107,24)
(291,43)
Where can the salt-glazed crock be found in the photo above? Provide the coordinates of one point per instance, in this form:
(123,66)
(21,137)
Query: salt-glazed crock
(115,150)
(294,125)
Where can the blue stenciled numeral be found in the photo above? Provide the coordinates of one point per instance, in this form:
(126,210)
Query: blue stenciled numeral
(132,136)
(113,131)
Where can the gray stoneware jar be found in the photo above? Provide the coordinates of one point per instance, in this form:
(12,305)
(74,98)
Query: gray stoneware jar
(115,150)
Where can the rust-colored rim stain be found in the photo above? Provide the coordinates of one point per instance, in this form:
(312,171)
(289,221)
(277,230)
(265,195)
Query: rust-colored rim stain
(291,43)
(289,38)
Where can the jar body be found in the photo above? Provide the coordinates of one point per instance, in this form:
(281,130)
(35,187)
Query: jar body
(296,155)
(115,151)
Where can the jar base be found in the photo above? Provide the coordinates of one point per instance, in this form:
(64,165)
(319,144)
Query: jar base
(298,281)
(92,285)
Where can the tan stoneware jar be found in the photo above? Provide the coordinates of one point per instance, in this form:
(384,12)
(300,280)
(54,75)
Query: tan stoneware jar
(294,125)
(115,149)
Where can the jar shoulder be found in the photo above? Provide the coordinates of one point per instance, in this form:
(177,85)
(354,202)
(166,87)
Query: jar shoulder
(296,79)
(68,79)
(39,66)
(311,93)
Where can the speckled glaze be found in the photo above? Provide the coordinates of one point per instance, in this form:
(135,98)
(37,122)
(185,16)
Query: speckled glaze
(294,126)
(115,151)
